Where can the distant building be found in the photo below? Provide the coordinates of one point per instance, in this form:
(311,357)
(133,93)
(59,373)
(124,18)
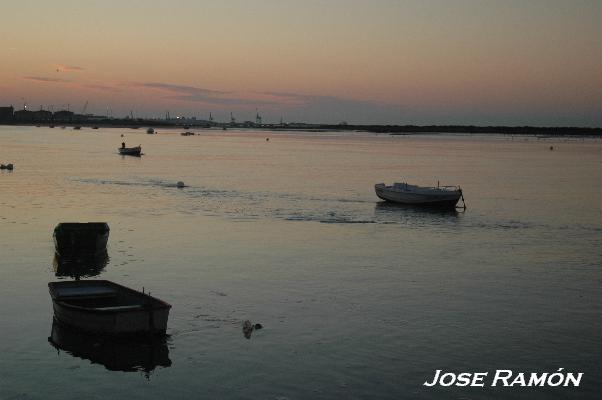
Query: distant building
(63,116)
(6,114)
(32,116)
(23,116)
(42,116)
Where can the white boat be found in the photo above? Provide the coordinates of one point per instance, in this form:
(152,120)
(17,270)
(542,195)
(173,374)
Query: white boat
(104,307)
(404,193)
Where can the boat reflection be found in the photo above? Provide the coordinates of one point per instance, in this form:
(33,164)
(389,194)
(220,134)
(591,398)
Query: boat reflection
(386,211)
(82,266)
(116,354)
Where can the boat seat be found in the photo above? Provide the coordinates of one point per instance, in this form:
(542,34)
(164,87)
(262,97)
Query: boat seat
(120,308)
(84,293)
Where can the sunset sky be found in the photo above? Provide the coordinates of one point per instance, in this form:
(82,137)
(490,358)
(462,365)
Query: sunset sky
(535,62)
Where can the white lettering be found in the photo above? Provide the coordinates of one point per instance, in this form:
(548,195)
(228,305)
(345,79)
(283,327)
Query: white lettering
(450,381)
(464,379)
(519,380)
(477,380)
(435,379)
(558,377)
(536,380)
(571,377)
(498,376)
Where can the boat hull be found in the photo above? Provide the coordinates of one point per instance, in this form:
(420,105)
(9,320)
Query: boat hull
(72,238)
(436,199)
(130,151)
(141,314)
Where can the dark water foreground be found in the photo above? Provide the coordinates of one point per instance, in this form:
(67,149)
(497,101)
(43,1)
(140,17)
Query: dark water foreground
(358,299)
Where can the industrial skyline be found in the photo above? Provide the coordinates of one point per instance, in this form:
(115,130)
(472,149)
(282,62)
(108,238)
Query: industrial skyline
(382,62)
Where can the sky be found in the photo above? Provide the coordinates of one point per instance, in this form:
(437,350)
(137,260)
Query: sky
(480,62)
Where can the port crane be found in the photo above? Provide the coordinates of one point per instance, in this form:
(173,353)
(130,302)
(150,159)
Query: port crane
(85,108)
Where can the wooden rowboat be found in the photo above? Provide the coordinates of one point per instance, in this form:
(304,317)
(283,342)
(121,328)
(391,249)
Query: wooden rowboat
(106,308)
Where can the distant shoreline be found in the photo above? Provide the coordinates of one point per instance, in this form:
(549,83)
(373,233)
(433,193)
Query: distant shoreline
(389,129)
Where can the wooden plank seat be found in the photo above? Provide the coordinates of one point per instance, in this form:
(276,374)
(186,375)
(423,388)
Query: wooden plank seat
(92,292)
(120,308)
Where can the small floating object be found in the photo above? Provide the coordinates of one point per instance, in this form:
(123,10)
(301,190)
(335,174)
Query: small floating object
(150,131)
(551,147)
(74,238)
(180,184)
(94,127)
(267,139)
(7,166)
(107,308)
(248,327)
(77,127)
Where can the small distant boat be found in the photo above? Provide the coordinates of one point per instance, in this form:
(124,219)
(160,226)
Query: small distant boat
(107,308)
(94,127)
(77,127)
(150,131)
(131,151)
(187,133)
(86,238)
(404,193)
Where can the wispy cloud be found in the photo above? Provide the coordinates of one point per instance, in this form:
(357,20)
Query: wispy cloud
(297,105)
(67,68)
(203,95)
(45,79)
(182,89)
(104,88)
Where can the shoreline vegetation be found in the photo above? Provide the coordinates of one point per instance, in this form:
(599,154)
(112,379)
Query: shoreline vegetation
(386,129)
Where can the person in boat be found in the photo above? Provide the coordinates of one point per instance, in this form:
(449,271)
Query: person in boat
(123,145)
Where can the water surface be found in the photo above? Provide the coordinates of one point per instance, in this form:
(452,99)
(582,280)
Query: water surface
(358,299)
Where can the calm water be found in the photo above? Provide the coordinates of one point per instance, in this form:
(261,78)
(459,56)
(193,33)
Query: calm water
(358,299)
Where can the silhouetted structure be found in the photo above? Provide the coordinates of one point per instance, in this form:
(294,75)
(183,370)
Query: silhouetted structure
(23,116)
(6,114)
(63,116)
(42,116)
